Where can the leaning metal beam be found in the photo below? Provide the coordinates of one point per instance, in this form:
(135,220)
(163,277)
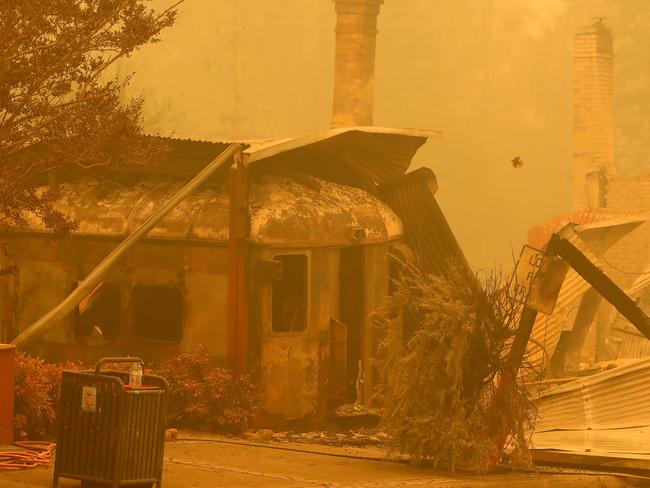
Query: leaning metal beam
(54,316)
(600,282)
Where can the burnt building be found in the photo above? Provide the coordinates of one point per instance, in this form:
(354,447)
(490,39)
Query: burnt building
(275,264)
(317,249)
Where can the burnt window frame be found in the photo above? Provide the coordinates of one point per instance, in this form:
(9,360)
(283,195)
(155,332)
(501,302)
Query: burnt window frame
(307,294)
(80,335)
(133,309)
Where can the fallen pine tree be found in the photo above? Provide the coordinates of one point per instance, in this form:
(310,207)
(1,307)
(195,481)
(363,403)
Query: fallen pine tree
(444,348)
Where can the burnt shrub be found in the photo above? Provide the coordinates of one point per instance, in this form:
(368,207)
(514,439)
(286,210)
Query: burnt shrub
(36,397)
(204,395)
(201,394)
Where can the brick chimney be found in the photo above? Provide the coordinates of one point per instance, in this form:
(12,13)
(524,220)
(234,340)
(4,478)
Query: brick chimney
(593,112)
(354,64)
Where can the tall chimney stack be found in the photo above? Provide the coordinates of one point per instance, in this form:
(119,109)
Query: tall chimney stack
(354,65)
(593,111)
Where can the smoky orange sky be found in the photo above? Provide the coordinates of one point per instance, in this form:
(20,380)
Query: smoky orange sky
(494,75)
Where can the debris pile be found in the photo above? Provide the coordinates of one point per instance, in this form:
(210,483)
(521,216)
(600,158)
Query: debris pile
(356,438)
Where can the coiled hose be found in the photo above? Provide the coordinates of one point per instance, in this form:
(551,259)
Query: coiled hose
(31,455)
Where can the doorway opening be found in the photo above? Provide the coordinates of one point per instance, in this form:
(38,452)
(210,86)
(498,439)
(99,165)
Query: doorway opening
(352,305)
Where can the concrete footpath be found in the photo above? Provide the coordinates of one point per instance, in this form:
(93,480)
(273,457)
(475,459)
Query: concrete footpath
(219,462)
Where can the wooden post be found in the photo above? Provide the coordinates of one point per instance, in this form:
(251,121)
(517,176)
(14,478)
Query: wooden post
(506,380)
(238,246)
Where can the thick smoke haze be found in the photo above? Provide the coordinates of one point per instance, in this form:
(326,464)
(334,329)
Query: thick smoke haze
(494,75)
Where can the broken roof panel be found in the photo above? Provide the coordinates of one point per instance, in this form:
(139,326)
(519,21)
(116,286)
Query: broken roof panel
(601,218)
(641,282)
(426,229)
(547,330)
(633,344)
(184,157)
(380,154)
(608,412)
(356,156)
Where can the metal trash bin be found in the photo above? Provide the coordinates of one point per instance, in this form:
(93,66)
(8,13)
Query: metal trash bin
(110,434)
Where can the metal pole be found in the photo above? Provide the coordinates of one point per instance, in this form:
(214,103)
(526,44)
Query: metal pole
(238,257)
(50,319)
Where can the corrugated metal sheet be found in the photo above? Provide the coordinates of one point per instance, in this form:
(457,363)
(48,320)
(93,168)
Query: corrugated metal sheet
(641,282)
(185,157)
(287,211)
(539,235)
(547,330)
(605,441)
(616,398)
(630,343)
(425,228)
(378,153)
(600,229)
(606,412)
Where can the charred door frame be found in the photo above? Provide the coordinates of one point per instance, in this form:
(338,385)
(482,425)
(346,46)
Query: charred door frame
(352,312)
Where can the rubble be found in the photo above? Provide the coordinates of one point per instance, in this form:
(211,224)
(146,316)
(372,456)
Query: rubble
(356,438)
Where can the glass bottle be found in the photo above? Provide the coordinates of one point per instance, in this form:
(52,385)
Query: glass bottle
(135,375)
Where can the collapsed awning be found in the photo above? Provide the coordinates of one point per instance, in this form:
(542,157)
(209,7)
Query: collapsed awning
(379,154)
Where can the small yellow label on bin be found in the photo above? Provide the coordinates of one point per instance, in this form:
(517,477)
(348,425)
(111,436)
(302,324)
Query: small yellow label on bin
(89,399)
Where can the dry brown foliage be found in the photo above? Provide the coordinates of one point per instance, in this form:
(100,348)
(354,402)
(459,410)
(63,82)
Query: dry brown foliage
(58,108)
(201,394)
(441,369)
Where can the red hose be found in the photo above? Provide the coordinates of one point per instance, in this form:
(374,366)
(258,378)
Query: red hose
(33,453)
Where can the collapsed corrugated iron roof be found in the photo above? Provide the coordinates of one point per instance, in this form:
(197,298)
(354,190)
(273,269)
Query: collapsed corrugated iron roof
(539,235)
(378,154)
(548,329)
(631,343)
(374,154)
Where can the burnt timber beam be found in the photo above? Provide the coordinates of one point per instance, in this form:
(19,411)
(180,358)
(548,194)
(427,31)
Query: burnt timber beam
(602,283)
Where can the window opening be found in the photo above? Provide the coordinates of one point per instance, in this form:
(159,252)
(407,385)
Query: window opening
(290,295)
(157,313)
(99,313)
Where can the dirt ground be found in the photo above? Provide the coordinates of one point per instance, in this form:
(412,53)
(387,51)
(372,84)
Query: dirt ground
(200,461)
